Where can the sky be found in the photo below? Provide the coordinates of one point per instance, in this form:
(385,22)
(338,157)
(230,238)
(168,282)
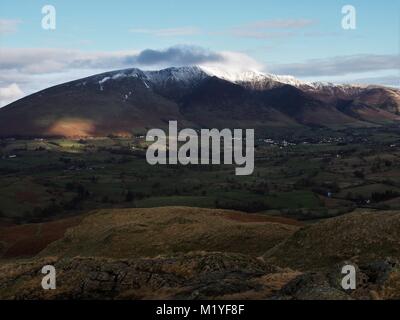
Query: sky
(305,39)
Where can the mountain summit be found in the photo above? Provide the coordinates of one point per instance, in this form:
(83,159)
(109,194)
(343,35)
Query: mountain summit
(131,101)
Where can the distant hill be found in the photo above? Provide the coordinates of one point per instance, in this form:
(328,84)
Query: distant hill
(132,101)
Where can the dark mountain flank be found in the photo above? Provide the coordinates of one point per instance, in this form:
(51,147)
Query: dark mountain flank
(132,101)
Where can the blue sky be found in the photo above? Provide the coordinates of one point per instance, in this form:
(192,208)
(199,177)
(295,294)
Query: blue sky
(302,38)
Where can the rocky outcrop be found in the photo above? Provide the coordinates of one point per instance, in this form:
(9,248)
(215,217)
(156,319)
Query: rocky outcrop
(190,276)
(374,281)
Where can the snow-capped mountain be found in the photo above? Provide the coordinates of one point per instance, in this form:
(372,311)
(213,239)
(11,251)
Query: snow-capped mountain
(193,74)
(182,74)
(252,79)
(132,100)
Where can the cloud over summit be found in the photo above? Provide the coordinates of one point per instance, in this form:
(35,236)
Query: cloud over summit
(181,55)
(34,69)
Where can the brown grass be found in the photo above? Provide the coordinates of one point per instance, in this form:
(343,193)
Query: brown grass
(261,218)
(129,233)
(28,240)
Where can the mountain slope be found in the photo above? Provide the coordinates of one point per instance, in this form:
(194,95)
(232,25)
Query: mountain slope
(133,101)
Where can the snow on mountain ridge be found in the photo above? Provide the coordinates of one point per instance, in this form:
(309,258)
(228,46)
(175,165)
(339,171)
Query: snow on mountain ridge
(182,74)
(250,78)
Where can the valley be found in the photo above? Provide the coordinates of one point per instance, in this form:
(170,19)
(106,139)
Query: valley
(77,192)
(305,177)
(116,227)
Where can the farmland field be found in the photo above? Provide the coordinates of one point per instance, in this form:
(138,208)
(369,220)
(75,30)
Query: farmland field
(299,177)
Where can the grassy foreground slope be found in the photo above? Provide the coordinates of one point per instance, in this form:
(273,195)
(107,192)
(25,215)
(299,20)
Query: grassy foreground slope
(132,233)
(171,252)
(361,237)
(193,253)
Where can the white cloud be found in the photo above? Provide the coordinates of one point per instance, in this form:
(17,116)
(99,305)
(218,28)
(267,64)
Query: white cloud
(271,28)
(10,93)
(8,26)
(235,62)
(340,66)
(20,62)
(390,80)
(48,60)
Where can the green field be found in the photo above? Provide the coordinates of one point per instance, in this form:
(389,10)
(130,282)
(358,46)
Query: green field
(311,178)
